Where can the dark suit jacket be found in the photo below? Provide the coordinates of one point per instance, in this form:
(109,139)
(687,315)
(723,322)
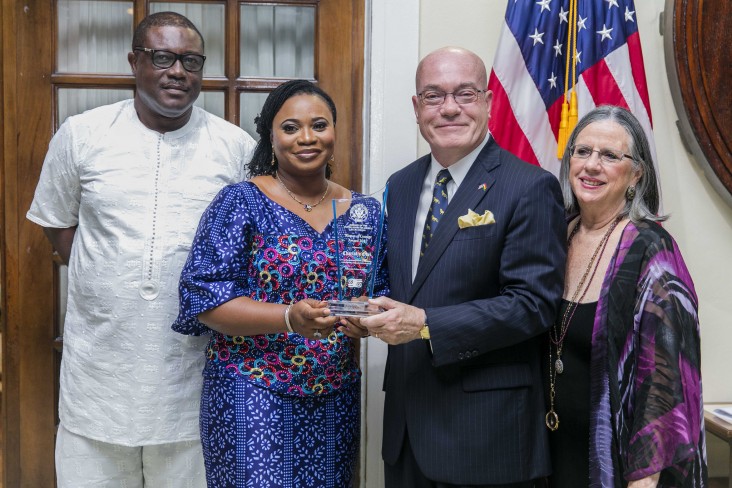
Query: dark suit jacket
(473,407)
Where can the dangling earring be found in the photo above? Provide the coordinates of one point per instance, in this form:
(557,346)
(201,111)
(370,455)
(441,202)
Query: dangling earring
(273,163)
(331,160)
(630,193)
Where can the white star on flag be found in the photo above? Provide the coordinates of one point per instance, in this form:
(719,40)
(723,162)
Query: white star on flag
(581,23)
(612,3)
(544,5)
(605,33)
(629,14)
(557,49)
(553,81)
(563,15)
(536,36)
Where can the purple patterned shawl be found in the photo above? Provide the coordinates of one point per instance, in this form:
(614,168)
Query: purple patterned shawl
(646,396)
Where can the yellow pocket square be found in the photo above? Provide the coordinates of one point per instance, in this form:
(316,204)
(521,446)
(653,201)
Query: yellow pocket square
(472,219)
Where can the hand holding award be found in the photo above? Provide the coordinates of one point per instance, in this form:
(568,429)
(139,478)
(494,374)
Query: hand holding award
(358,245)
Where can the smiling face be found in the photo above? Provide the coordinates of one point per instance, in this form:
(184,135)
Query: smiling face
(452,130)
(600,187)
(303,135)
(164,96)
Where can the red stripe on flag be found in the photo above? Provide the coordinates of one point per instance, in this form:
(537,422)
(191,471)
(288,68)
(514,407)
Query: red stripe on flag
(555,116)
(602,86)
(635,54)
(503,124)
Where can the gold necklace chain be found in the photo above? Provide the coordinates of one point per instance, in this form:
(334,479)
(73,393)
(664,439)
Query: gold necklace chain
(557,334)
(306,206)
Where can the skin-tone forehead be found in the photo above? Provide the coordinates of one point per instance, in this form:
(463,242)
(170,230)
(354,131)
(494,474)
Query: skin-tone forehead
(451,57)
(174,36)
(304,103)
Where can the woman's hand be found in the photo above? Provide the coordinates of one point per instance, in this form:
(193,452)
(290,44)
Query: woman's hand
(647,482)
(312,319)
(351,327)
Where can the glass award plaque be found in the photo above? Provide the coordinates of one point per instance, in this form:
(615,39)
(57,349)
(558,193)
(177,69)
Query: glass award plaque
(357,240)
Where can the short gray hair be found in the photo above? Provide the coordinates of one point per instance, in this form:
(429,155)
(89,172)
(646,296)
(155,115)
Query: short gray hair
(646,203)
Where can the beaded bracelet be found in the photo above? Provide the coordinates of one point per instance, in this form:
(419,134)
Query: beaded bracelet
(287,319)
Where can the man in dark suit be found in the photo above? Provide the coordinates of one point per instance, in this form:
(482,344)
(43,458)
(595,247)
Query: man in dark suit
(473,291)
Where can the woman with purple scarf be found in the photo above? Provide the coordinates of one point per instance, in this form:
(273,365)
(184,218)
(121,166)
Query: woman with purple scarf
(624,396)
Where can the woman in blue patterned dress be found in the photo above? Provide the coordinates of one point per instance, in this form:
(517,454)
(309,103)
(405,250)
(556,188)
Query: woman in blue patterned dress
(281,391)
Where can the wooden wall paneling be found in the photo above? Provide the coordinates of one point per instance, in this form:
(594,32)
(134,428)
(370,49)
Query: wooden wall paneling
(8,261)
(28,402)
(231,61)
(338,40)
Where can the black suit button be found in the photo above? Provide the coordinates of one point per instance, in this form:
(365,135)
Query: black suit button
(475,353)
(467,355)
(460,355)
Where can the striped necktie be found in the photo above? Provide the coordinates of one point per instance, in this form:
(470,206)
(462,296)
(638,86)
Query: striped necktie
(437,209)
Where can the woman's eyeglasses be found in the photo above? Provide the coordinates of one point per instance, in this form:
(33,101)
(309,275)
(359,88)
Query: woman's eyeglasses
(607,156)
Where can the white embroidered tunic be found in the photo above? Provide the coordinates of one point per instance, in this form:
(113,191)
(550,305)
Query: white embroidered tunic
(136,196)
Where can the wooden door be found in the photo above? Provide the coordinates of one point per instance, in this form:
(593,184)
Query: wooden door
(40,82)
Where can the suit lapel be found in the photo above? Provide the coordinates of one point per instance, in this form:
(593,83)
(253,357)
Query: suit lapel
(402,215)
(467,196)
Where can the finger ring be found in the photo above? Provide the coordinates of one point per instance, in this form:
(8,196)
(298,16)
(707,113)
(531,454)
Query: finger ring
(317,334)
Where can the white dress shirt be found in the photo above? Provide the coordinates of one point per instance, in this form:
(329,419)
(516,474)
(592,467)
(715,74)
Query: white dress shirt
(136,196)
(457,171)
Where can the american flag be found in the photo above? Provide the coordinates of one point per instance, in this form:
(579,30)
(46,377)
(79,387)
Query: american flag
(528,75)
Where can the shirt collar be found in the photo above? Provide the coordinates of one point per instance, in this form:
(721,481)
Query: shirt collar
(460,169)
(192,124)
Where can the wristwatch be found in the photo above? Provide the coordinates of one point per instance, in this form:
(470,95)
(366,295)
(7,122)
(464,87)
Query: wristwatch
(424,332)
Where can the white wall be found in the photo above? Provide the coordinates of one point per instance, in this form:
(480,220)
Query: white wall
(392,54)
(700,220)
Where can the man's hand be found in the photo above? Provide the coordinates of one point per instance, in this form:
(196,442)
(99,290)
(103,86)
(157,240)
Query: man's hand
(398,324)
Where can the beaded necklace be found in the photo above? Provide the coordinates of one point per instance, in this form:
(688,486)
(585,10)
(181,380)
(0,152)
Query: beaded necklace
(559,331)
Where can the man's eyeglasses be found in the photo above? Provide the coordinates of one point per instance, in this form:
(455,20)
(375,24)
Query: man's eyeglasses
(165,59)
(607,156)
(434,98)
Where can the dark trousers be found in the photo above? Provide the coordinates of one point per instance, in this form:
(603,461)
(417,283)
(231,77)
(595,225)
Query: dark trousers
(406,474)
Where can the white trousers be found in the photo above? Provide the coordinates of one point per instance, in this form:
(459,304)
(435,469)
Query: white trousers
(86,463)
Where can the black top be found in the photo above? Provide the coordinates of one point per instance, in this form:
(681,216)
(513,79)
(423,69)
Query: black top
(570,443)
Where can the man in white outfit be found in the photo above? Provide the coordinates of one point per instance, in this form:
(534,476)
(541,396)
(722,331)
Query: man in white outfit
(120,194)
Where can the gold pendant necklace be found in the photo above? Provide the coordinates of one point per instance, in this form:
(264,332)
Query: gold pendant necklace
(557,334)
(306,206)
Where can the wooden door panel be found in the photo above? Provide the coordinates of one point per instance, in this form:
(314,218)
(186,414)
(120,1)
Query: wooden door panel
(29,410)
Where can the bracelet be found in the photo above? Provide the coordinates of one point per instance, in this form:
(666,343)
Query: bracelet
(287,319)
